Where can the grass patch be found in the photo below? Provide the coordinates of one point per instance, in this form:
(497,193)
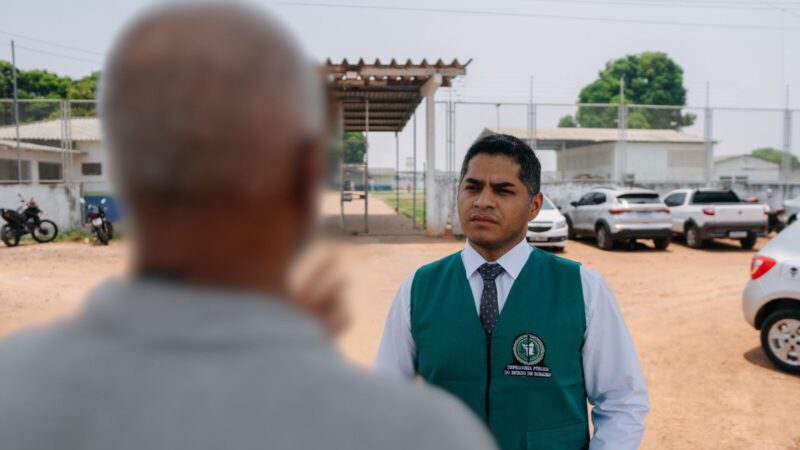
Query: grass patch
(406,202)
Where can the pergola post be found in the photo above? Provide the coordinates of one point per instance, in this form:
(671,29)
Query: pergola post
(434,224)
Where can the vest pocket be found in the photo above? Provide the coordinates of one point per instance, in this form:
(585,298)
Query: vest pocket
(566,437)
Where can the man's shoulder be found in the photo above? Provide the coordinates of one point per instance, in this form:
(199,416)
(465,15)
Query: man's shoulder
(418,415)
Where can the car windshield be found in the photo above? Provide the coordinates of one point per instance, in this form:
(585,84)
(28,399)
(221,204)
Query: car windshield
(638,198)
(709,197)
(546,204)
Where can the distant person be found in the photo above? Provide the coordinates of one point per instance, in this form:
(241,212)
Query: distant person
(521,336)
(215,123)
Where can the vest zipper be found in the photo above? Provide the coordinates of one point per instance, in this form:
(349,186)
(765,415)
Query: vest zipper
(487,400)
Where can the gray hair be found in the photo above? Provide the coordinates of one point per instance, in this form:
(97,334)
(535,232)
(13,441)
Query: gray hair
(199,98)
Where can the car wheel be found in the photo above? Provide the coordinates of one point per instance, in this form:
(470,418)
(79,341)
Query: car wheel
(780,339)
(792,219)
(571,231)
(693,239)
(662,243)
(748,242)
(604,239)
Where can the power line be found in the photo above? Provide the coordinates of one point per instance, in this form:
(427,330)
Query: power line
(58,55)
(657,4)
(538,16)
(54,44)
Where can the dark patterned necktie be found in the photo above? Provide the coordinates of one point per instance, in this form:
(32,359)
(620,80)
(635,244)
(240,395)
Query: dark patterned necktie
(489,308)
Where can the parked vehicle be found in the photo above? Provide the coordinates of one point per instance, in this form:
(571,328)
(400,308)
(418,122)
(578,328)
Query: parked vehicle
(620,215)
(96,218)
(776,217)
(792,209)
(26,219)
(771,300)
(704,214)
(549,228)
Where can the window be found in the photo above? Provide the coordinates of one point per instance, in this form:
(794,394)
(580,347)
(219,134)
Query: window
(92,169)
(49,171)
(675,199)
(599,198)
(546,204)
(686,158)
(9,172)
(638,198)
(586,199)
(709,197)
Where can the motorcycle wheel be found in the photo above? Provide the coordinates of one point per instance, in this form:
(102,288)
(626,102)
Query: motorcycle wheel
(9,236)
(110,230)
(101,236)
(46,231)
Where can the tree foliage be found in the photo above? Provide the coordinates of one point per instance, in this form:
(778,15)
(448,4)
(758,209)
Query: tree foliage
(774,155)
(41,84)
(651,78)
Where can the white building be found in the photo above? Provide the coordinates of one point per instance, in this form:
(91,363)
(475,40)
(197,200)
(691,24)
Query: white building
(745,169)
(645,156)
(50,154)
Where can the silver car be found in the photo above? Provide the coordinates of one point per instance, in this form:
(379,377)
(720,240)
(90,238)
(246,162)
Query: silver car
(620,214)
(771,300)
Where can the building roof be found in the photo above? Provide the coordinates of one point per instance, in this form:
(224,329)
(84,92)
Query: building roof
(393,89)
(723,158)
(82,129)
(12,144)
(553,137)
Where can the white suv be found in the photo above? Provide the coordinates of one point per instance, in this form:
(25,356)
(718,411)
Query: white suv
(612,214)
(771,300)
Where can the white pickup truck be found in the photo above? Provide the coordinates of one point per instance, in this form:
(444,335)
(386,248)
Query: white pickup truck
(704,214)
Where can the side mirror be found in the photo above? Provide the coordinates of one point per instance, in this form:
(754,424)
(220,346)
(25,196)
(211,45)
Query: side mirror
(574,204)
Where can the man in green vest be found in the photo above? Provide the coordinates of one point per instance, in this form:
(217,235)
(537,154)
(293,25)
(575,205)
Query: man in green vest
(524,338)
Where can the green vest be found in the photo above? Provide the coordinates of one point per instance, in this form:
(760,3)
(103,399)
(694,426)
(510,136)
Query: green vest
(525,380)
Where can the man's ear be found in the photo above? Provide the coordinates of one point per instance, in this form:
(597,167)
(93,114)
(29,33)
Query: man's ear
(308,174)
(536,205)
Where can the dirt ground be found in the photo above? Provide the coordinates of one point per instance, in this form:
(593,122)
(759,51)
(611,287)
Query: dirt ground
(710,384)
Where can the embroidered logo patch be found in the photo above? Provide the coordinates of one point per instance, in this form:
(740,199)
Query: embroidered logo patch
(528,351)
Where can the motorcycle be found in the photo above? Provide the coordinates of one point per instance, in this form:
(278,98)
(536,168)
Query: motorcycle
(26,219)
(101,227)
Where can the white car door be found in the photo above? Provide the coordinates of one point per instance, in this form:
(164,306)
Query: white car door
(675,202)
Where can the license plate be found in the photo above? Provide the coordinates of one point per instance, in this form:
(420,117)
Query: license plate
(737,234)
(97,222)
(538,239)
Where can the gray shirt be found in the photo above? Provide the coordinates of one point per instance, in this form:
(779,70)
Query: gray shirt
(157,365)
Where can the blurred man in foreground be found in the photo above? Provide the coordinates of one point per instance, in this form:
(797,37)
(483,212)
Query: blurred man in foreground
(215,124)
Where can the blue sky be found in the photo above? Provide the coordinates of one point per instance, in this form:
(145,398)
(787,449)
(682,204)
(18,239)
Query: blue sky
(740,50)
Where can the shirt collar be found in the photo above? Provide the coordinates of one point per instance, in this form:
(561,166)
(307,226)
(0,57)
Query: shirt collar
(513,261)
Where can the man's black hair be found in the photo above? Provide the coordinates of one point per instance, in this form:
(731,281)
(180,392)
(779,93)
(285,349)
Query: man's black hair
(530,169)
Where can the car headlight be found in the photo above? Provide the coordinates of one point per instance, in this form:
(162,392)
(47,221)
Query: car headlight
(561,224)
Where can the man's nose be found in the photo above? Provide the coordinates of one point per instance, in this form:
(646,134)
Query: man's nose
(485,199)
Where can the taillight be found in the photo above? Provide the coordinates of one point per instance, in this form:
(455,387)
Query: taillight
(709,211)
(780,211)
(617,210)
(664,210)
(766,210)
(760,266)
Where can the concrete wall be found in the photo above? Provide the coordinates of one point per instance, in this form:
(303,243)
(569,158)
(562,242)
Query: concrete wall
(58,202)
(665,162)
(592,160)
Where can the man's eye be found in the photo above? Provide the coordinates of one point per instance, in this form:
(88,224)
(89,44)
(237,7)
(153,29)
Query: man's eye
(472,188)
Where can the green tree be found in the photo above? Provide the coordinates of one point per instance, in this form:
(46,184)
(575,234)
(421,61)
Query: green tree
(774,155)
(41,84)
(355,146)
(651,78)
(567,122)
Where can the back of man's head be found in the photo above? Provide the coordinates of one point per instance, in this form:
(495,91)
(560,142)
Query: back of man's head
(205,102)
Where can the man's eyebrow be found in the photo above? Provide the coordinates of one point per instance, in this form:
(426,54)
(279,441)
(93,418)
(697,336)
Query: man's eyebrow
(502,185)
(473,181)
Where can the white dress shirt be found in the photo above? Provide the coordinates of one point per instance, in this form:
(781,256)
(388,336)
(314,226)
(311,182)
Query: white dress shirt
(614,383)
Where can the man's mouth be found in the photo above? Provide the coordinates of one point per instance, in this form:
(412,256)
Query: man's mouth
(483,218)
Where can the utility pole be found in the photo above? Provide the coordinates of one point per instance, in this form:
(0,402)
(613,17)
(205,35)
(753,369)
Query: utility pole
(16,110)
